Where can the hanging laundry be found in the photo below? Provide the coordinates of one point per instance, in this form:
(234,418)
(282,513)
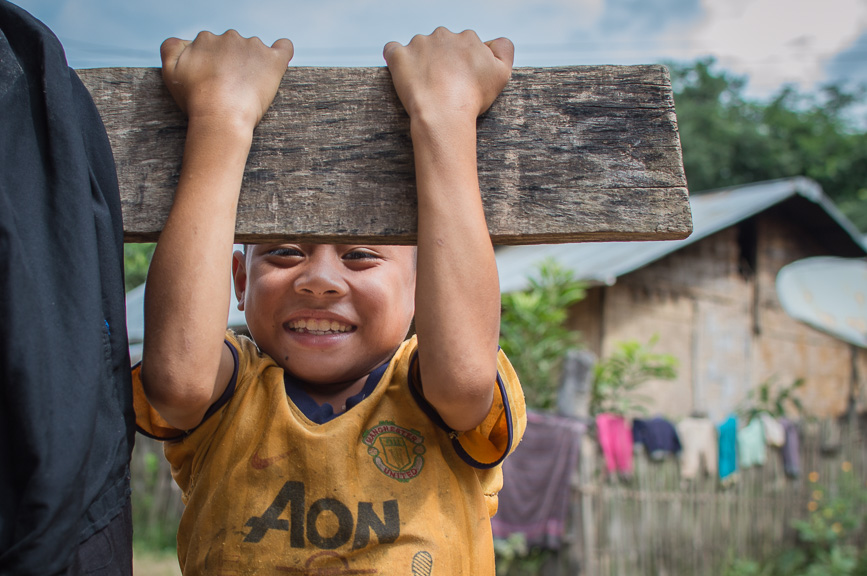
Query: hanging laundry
(775,434)
(791,449)
(658,437)
(728,439)
(751,444)
(699,439)
(615,438)
(534,500)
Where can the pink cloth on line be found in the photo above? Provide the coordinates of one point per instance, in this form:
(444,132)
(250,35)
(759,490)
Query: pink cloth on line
(615,438)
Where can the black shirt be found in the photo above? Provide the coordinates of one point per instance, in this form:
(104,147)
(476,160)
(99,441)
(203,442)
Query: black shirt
(66,420)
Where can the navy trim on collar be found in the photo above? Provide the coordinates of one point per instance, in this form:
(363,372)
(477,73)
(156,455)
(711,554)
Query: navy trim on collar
(320,414)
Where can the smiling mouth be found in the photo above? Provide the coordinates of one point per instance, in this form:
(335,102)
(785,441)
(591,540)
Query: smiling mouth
(319,327)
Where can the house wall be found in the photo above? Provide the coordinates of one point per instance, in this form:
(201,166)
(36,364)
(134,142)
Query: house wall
(697,302)
(713,305)
(786,349)
(638,315)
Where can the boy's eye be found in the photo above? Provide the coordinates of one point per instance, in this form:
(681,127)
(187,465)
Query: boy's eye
(360,255)
(285,251)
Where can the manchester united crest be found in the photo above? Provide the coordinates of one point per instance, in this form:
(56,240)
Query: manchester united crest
(396,451)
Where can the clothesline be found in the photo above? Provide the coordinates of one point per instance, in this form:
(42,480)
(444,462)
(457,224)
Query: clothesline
(701,445)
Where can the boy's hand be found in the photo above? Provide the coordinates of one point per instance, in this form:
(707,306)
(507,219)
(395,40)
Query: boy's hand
(449,74)
(227,77)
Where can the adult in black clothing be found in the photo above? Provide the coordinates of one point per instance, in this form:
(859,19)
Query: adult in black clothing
(66,421)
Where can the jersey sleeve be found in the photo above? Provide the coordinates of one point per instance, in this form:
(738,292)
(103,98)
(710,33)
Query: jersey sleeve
(149,422)
(487,445)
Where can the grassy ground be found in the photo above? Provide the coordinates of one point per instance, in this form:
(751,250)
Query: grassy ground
(148,563)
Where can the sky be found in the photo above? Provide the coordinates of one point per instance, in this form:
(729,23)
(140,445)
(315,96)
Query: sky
(771,43)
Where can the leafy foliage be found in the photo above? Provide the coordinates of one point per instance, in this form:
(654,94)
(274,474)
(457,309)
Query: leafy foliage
(763,399)
(728,140)
(515,558)
(533,331)
(136,260)
(834,514)
(617,377)
(746,567)
(151,531)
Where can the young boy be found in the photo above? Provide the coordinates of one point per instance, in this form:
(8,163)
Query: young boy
(327,444)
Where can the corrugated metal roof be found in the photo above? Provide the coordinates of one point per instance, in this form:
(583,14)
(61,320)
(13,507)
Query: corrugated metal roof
(604,262)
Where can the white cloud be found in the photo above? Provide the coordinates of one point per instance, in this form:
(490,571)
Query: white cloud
(771,41)
(776,42)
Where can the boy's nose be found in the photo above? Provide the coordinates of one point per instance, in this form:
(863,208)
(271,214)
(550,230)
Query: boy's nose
(320,277)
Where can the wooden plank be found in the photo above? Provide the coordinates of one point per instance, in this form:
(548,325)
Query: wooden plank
(565,154)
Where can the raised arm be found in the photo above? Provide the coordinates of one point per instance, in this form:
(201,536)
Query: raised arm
(224,84)
(445,81)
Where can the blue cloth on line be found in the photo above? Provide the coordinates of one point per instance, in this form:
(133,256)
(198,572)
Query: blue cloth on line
(658,436)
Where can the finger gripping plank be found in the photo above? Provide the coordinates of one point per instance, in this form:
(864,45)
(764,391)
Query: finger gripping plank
(585,153)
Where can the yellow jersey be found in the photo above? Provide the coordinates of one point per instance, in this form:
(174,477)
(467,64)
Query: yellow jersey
(383,488)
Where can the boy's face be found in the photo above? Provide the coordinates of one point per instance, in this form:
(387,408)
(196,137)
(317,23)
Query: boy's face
(329,314)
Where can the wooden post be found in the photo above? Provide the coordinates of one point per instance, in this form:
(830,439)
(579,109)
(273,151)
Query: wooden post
(565,154)
(591,491)
(573,398)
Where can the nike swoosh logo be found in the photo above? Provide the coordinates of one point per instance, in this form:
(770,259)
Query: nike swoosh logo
(259,463)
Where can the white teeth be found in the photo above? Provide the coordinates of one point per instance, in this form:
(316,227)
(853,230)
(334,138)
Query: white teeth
(318,326)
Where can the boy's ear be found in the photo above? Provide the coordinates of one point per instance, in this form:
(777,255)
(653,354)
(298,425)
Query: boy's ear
(239,275)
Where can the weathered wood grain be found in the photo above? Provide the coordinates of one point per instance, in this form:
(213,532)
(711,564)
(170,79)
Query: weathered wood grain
(565,154)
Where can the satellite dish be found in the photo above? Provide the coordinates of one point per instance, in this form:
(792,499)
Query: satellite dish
(829,294)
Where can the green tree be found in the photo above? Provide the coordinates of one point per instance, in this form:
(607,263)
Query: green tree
(729,140)
(533,331)
(136,260)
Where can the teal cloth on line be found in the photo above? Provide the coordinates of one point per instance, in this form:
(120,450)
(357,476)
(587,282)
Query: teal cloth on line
(728,432)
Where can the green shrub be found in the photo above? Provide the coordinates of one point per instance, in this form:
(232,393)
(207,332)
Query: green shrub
(533,331)
(834,516)
(617,377)
(763,399)
(515,558)
(136,260)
